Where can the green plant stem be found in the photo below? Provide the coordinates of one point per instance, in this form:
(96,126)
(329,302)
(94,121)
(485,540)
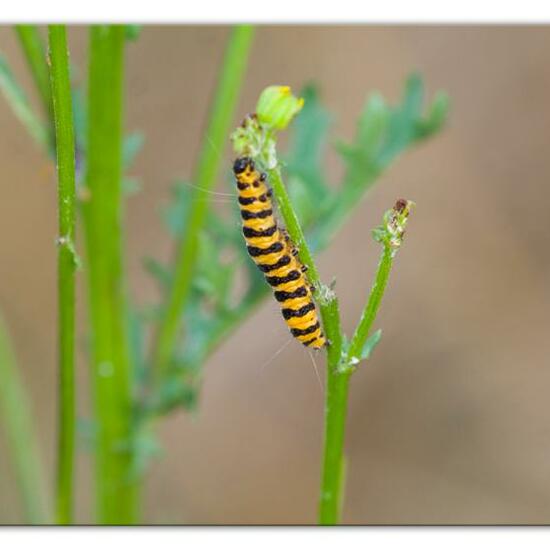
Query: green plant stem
(336,406)
(116,492)
(293,225)
(204,178)
(66,264)
(338,377)
(371,309)
(337,382)
(22,441)
(35,54)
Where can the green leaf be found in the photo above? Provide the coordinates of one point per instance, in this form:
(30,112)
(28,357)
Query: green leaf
(383,132)
(176,393)
(369,345)
(132,145)
(145,448)
(373,122)
(403,120)
(131,186)
(136,340)
(304,200)
(362,155)
(213,278)
(17,100)
(307,147)
(132,32)
(436,118)
(80,118)
(176,213)
(158,271)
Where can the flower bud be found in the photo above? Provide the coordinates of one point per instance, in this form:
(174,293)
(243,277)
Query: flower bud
(277,107)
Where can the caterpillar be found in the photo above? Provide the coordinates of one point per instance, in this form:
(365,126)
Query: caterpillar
(275,255)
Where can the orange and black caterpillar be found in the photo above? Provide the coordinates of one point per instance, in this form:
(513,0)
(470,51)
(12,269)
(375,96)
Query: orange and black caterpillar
(273,252)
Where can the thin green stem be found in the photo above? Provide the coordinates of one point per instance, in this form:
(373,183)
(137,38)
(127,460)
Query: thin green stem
(337,381)
(328,304)
(66,264)
(336,407)
(207,168)
(116,496)
(371,309)
(17,418)
(338,377)
(293,225)
(275,109)
(35,54)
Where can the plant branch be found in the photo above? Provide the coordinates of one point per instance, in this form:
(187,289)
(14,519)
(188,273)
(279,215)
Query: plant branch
(220,118)
(371,309)
(66,265)
(116,498)
(22,441)
(390,234)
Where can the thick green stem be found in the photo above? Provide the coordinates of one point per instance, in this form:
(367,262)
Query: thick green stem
(66,264)
(17,418)
(338,377)
(115,488)
(35,53)
(217,131)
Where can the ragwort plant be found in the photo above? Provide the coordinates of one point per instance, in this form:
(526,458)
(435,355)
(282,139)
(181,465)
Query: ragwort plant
(135,386)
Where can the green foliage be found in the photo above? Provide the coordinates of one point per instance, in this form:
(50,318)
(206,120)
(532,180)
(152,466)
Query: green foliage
(132,32)
(383,132)
(20,431)
(17,99)
(222,286)
(133,143)
(370,343)
(214,305)
(308,188)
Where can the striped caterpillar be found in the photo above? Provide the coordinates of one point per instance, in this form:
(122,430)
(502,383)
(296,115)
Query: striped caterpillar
(273,252)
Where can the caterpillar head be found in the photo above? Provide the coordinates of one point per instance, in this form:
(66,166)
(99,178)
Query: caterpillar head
(243,164)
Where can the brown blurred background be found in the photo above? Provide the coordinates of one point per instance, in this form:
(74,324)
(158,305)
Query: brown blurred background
(450,421)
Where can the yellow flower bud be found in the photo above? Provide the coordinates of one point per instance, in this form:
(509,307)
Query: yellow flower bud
(277,107)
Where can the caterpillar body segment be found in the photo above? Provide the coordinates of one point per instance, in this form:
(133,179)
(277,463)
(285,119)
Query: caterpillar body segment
(275,255)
